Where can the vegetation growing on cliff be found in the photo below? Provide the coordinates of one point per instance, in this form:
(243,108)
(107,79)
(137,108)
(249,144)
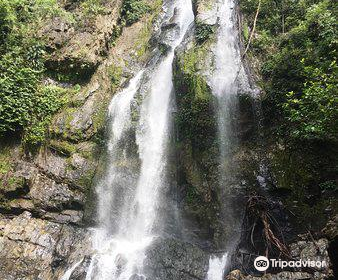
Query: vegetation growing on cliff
(133,10)
(26,105)
(195,101)
(296,42)
(203,32)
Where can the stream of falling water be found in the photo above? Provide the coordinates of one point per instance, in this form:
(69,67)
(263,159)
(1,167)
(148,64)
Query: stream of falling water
(228,76)
(128,204)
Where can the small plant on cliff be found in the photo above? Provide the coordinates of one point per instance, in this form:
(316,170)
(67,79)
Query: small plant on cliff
(93,7)
(203,32)
(133,10)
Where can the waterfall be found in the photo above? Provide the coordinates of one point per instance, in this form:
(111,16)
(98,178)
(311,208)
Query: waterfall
(129,192)
(228,77)
(217,267)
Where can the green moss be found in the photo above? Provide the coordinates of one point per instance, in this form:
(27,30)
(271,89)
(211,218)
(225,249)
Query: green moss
(192,196)
(142,43)
(5,161)
(133,10)
(246,31)
(90,153)
(64,147)
(195,116)
(100,116)
(196,83)
(93,7)
(115,74)
(86,180)
(7,179)
(306,178)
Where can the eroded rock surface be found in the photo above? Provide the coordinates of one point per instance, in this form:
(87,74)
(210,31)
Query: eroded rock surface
(32,248)
(172,259)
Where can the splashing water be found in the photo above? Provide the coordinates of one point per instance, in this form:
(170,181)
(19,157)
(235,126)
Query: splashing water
(217,267)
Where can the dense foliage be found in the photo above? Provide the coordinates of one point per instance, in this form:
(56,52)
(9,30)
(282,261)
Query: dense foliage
(297,40)
(25,104)
(294,47)
(133,10)
(203,32)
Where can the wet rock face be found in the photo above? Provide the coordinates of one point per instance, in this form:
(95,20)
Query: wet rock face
(316,251)
(80,271)
(32,248)
(51,187)
(41,214)
(171,259)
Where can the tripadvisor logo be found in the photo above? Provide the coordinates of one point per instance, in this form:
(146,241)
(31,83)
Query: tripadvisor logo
(262,263)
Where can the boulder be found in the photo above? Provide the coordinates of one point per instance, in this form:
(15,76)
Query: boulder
(172,259)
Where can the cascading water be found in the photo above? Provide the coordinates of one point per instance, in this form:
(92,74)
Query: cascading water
(128,204)
(228,77)
(217,267)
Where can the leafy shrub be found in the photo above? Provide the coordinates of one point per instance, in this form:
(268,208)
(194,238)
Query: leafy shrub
(133,10)
(18,85)
(313,113)
(24,105)
(92,7)
(203,32)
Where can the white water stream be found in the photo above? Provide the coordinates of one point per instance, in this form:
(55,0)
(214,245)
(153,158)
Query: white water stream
(128,201)
(227,78)
(217,267)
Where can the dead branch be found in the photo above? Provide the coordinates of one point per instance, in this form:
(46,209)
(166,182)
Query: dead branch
(253,29)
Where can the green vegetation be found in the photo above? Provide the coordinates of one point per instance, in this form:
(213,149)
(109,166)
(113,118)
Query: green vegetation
(142,44)
(115,74)
(203,32)
(93,7)
(195,118)
(296,42)
(5,161)
(133,10)
(8,182)
(26,105)
(63,147)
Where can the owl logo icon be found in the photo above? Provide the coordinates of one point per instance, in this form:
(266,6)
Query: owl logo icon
(261,263)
